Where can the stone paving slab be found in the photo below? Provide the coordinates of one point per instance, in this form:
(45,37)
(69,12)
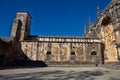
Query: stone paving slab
(60,73)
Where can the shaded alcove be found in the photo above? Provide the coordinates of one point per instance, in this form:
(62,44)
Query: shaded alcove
(106,21)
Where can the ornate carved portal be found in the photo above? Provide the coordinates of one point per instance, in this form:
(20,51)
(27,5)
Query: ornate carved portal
(108,38)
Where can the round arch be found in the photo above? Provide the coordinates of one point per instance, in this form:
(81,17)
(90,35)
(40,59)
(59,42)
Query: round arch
(106,20)
(93,53)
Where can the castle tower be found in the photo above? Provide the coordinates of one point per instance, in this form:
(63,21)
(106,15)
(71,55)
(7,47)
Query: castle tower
(21,26)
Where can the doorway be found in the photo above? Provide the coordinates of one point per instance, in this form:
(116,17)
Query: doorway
(48,56)
(73,56)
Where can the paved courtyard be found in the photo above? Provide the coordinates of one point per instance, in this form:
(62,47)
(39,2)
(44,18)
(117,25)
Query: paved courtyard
(60,73)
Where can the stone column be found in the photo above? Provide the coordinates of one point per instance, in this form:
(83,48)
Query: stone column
(84,51)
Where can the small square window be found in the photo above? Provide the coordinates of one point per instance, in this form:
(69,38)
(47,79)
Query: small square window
(49,53)
(72,53)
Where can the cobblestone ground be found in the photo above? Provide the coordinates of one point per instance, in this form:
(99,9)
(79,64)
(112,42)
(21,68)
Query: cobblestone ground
(60,73)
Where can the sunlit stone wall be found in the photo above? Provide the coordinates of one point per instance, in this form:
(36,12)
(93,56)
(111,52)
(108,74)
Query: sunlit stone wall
(109,41)
(57,51)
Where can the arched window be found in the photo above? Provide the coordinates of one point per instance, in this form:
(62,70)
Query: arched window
(94,53)
(106,20)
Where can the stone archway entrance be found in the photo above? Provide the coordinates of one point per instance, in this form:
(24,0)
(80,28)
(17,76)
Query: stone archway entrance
(48,56)
(94,56)
(108,38)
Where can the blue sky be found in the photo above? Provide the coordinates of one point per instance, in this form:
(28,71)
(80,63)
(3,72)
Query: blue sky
(51,17)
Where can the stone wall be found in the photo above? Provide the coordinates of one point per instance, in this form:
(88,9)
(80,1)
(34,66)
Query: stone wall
(6,53)
(107,28)
(62,52)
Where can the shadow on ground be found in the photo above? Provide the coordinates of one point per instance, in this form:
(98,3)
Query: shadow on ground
(24,64)
(54,75)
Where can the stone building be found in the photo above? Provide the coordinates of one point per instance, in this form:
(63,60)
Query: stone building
(107,29)
(101,42)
